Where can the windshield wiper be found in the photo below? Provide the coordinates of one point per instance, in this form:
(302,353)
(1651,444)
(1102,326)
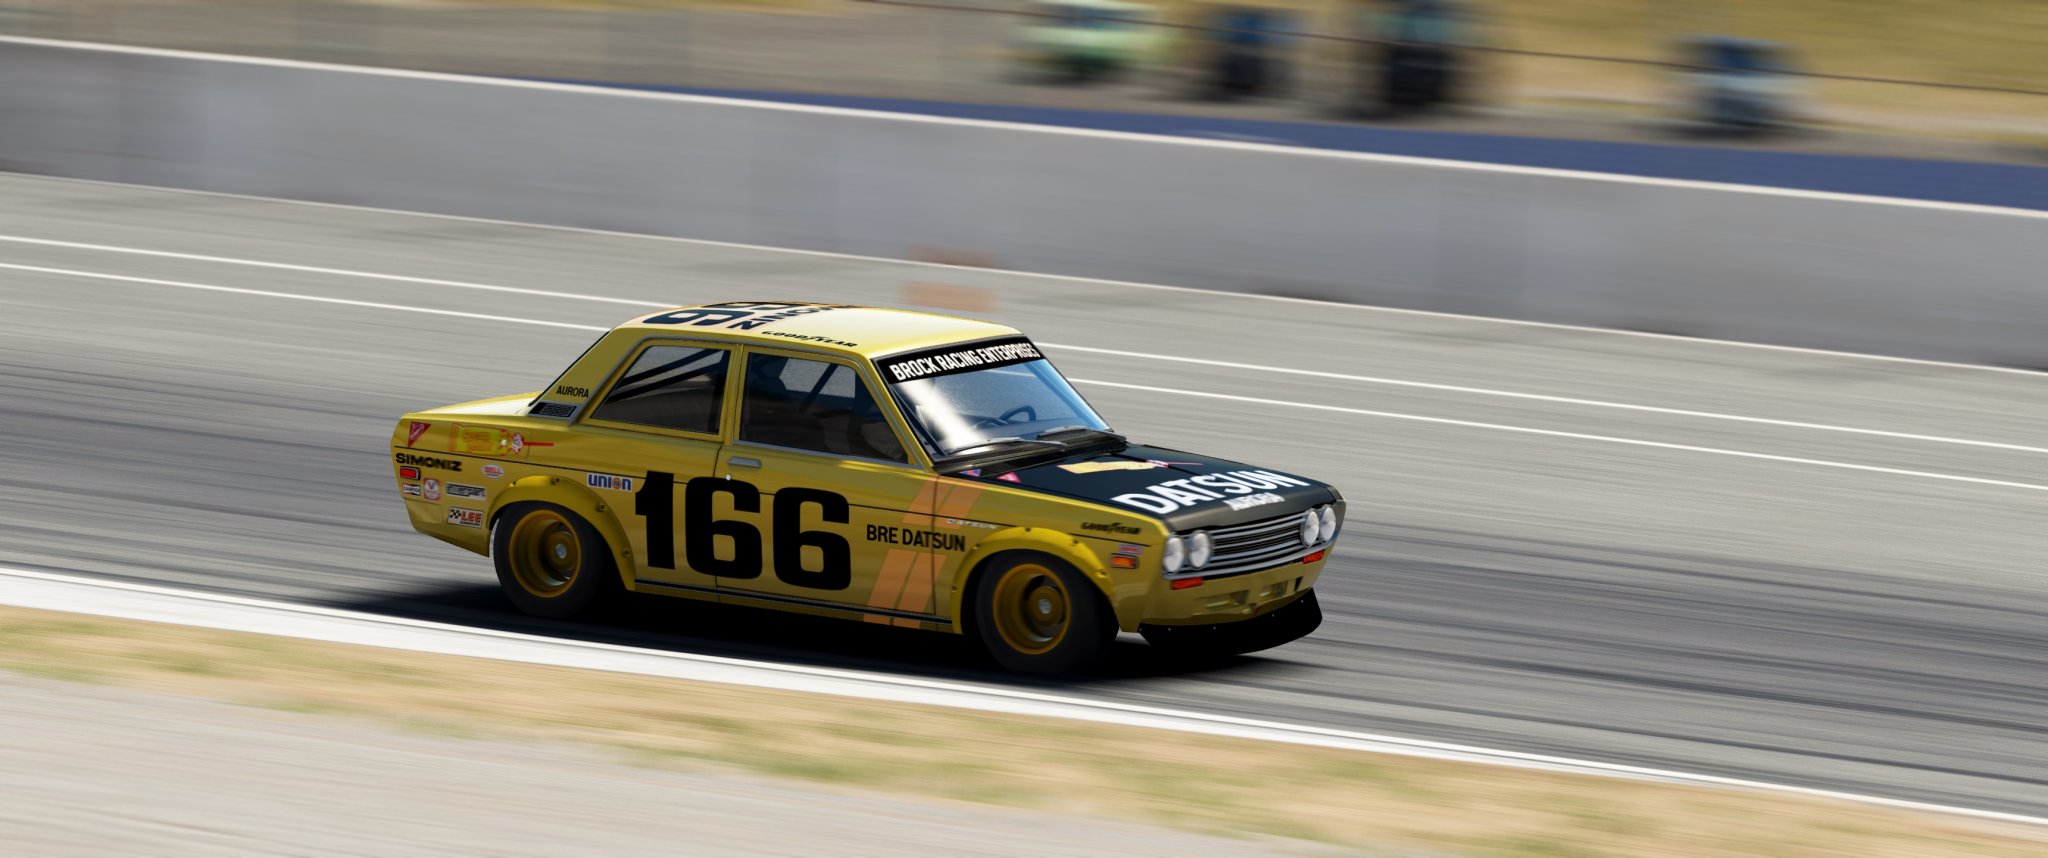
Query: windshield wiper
(1077,427)
(1007,439)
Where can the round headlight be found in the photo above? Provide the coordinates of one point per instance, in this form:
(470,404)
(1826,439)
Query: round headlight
(1175,555)
(1199,549)
(1329,516)
(1310,527)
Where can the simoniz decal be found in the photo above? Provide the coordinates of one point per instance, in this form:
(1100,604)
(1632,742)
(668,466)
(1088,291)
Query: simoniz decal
(1227,486)
(947,360)
(429,462)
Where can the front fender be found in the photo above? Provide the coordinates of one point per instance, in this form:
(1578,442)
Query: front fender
(1125,589)
(573,497)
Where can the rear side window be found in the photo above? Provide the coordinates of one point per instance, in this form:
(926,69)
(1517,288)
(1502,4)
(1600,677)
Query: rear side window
(671,387)
(814,405)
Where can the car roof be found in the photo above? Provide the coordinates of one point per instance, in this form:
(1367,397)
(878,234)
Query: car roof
(868,332)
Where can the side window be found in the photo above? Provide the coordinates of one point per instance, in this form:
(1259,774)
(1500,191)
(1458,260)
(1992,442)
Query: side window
(672,387)
(814,405)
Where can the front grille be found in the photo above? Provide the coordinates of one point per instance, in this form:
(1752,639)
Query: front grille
(1261,544)
(552,409)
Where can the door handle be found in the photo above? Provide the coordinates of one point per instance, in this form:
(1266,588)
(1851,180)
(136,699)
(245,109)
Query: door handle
(743,462)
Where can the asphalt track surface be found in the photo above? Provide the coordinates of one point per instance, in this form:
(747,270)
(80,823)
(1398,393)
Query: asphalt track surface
(1800,567)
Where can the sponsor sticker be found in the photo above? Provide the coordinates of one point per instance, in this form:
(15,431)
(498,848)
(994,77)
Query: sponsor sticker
(609,481)
(490,441)
(947,360)
(571,391)
(413,432)
(1097,467)
(963,522)
(465,517)
(1108,527)
(493,471)
(431,489)
(436,462)
(1235,488)
(915,538)
(458,490)
(1249,501)
(1127,548)
(738,315)
(411,489)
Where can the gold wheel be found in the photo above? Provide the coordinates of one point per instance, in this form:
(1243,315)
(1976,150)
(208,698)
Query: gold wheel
(545,553)
(1031,607)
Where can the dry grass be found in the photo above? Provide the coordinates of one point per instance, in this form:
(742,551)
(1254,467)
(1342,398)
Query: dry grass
(1226,786)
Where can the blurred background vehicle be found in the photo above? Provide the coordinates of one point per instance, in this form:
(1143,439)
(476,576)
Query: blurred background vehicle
(1417,57)
(1740,86)
(1244,50)
(1079,41)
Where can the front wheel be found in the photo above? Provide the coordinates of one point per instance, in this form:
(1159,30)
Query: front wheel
(1037,614)
(1290,622)
(551,563)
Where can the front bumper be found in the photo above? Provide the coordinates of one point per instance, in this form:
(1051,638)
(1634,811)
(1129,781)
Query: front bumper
(1220,600)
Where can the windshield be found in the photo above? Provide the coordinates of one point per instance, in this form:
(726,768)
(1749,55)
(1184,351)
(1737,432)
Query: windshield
(985,395)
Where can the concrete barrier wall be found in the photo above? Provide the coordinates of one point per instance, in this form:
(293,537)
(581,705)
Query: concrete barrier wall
(1915,279)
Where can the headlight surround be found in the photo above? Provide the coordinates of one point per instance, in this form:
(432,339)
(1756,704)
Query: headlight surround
(1311,527)
(1328,515)
(1200,548)
(1174,556)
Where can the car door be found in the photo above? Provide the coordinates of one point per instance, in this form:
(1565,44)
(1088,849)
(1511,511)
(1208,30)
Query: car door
(661,419)
(818,477)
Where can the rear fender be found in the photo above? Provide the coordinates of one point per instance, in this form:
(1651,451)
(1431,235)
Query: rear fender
(573,497)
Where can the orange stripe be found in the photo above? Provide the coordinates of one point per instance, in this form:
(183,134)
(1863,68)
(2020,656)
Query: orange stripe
(896,568)
(917,590)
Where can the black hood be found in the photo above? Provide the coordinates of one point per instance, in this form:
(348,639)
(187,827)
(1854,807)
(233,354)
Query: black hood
(1185,490)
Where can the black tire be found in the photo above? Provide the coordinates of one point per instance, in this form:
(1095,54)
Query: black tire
(1036,613)
(551,563)
(1290,622)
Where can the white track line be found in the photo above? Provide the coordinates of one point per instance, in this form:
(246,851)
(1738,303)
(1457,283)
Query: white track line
(1069,278)
(100,597)
(234,290)
(1337,376)
(1363,412)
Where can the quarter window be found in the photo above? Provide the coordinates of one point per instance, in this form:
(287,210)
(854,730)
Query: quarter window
(814,405)
(672,387)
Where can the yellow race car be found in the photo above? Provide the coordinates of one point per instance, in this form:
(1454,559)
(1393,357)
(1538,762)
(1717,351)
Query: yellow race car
(880,465)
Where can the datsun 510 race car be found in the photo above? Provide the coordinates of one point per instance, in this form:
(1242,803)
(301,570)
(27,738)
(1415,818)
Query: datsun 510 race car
(880,465)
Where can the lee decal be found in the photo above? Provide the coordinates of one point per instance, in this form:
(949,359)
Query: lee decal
(460,517)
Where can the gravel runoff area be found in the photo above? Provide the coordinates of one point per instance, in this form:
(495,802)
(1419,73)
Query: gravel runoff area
(88,771)
(502,758)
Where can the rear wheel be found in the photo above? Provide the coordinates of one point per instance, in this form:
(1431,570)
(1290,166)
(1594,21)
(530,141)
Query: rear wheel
(1290,622)
(1037,614)
(551,563)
